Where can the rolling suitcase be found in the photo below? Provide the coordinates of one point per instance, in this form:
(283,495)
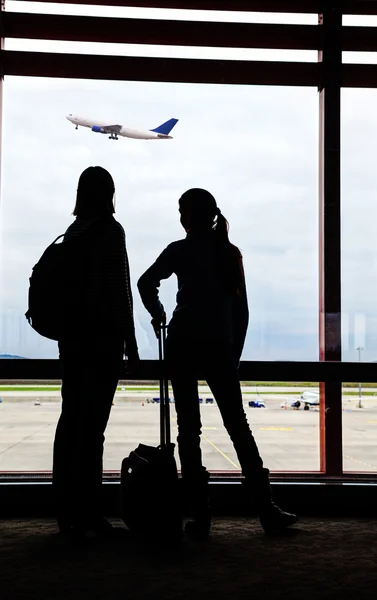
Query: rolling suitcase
(150,502)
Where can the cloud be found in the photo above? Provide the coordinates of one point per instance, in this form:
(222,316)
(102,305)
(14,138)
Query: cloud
(255,148)
(236,141)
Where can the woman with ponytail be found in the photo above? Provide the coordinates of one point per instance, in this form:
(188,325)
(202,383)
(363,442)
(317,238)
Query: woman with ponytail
(205,340)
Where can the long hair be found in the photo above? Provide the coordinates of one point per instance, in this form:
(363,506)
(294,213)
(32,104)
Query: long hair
(95,193)
(199,211)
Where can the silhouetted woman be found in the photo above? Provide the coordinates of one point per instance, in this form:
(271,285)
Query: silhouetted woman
(205,339)
(98,332)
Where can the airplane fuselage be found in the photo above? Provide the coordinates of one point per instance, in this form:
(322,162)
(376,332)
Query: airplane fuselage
(101,127)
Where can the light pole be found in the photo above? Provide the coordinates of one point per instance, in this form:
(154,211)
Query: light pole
(359,349)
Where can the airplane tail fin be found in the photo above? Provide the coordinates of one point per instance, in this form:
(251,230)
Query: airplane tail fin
(166,128)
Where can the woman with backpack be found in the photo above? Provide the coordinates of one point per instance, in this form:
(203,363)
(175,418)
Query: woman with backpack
(205,339)
(98,332)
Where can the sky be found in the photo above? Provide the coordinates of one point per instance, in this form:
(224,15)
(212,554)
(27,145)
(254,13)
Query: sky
(254,148)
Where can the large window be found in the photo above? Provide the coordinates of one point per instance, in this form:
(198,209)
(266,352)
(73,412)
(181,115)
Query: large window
(284,418)
(254,148)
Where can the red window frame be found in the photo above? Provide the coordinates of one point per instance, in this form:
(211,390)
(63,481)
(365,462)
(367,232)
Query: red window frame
(329,75)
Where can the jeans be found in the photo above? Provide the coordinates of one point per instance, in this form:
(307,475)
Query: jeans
(213,361)
(90,373)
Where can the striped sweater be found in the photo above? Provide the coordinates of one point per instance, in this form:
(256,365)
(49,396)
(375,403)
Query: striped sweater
(108,295)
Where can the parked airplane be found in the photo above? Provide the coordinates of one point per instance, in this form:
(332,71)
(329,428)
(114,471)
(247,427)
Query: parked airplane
(159,133)
(308,398)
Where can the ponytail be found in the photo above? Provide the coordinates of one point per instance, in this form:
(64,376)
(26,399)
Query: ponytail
(230,262)
(221,226)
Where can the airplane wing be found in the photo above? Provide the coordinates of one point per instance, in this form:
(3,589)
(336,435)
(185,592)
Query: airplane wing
(112,128)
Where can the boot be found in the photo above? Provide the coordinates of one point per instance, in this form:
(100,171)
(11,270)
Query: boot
(64,523)
(200,526)
(84,525)
(272,518)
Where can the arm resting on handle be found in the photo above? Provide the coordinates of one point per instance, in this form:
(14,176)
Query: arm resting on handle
(150,281)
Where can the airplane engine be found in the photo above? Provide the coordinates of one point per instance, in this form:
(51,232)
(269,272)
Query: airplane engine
(98,129)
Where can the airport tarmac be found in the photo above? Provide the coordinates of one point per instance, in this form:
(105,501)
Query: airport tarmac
(287,439)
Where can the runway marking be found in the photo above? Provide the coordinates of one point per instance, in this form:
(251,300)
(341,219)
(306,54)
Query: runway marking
(360,461)
(276,428)
(214,445)
(221,452)
(371,421)
(24,438)
(203,428)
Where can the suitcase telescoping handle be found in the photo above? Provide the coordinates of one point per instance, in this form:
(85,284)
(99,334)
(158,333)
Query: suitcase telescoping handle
(165,438)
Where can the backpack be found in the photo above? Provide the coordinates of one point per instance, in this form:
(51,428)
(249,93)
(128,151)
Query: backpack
(57,288)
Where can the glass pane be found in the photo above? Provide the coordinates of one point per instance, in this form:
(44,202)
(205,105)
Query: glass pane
(359,426)
(360,21)
(159,13)
(254,148)
(220,53)
(160,51)
(359,273)
(360,57)
(359,242)
(287,434)
(284,419)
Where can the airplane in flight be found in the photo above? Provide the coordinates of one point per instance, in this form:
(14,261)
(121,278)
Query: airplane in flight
(159,133)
